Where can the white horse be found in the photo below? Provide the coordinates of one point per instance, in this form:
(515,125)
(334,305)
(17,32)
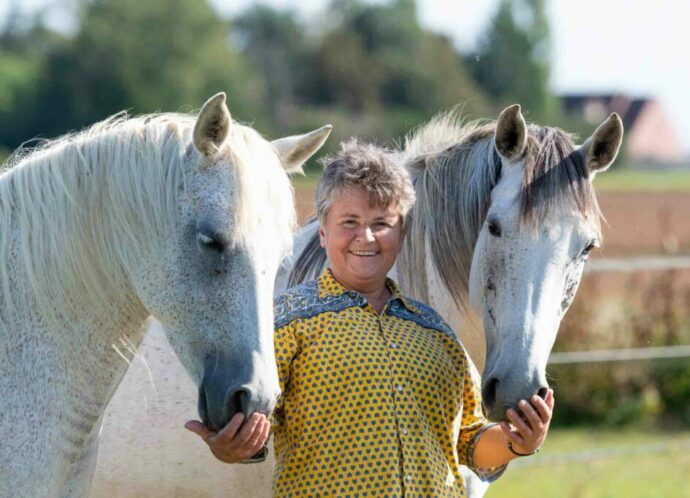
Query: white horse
(505,218)
(166,215)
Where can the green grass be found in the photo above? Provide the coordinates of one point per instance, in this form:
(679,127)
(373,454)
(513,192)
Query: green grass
(625,180)
(619,464)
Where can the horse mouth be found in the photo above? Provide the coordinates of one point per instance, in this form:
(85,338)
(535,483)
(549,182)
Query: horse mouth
(203,409)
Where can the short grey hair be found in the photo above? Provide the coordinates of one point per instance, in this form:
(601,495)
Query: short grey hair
(373,168)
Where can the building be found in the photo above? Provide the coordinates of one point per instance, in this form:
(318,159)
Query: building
(650,136)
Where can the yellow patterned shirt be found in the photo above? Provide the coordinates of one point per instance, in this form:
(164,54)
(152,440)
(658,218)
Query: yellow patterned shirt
(372,405)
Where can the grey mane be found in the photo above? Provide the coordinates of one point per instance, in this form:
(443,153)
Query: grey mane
(453,185)
(555,174)
(310,261)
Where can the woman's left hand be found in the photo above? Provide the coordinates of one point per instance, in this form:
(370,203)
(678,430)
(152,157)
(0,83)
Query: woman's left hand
(527,433)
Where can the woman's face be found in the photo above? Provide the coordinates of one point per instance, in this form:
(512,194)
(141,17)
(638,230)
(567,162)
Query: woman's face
(361,240)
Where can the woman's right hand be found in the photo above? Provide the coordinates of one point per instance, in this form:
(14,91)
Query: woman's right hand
(237,441)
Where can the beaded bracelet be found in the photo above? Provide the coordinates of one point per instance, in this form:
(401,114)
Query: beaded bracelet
(510,447)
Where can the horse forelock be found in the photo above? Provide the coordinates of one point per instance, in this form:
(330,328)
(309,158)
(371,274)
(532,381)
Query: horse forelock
(261,194)
(555,177)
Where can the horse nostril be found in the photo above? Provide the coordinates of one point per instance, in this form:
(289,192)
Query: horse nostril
(489,393)
(542,392)
(237,402)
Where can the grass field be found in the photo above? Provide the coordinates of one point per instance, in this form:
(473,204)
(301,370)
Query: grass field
(643,181)
(601,464)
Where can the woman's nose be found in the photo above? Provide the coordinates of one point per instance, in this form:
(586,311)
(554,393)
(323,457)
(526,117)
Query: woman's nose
(365,235)
(368,234)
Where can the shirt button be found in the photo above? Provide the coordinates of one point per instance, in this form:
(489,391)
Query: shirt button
(404,431)
(393,345)
(408,477)
(399,388)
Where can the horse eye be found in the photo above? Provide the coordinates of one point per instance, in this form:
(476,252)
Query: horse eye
(588,249)
(209,242)
(494,228)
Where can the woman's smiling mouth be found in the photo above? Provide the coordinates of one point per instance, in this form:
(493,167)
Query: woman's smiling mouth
(364,253)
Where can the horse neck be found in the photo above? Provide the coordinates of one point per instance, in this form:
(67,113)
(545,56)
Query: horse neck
(78,224)
(66,380)
(70,347)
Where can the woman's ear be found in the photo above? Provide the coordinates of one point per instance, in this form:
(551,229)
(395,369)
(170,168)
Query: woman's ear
(322,236)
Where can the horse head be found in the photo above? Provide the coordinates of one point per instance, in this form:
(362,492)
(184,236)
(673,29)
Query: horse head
(541,224)
(211,286)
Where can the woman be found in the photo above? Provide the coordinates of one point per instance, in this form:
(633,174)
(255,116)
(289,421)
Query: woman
(379,397)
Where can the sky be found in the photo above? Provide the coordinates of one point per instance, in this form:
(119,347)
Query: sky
(637,47)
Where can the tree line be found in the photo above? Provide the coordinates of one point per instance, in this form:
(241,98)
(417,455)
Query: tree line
(370,69)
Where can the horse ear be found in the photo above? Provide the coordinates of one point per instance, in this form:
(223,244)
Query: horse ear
(295,150)
(600,150)
(511,133)
(212,125)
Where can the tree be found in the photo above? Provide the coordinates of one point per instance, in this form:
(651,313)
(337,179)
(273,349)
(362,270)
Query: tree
(512,61)
(24,47)
(386,60)
(384,26)
(142,56)
(274,42)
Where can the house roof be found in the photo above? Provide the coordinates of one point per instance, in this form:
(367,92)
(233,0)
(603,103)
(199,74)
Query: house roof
(651,135)
(628,108)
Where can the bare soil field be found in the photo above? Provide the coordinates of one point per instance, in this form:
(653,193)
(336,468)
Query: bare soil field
(645,223)
(637,223)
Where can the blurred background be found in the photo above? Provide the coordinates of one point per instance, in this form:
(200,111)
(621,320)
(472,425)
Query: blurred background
(378,70)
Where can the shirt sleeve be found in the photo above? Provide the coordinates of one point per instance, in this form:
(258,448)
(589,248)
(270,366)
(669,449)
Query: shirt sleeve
(286,348)
(474,424)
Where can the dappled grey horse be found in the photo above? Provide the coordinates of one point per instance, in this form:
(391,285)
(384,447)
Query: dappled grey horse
(182,218)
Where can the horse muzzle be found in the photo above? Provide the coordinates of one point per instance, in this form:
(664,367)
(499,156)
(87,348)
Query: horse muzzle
(226,391)
(501,392)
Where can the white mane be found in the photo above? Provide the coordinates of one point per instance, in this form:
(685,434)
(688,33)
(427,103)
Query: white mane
(70,202)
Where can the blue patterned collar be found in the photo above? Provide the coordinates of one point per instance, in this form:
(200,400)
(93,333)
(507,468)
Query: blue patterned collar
(329,286)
